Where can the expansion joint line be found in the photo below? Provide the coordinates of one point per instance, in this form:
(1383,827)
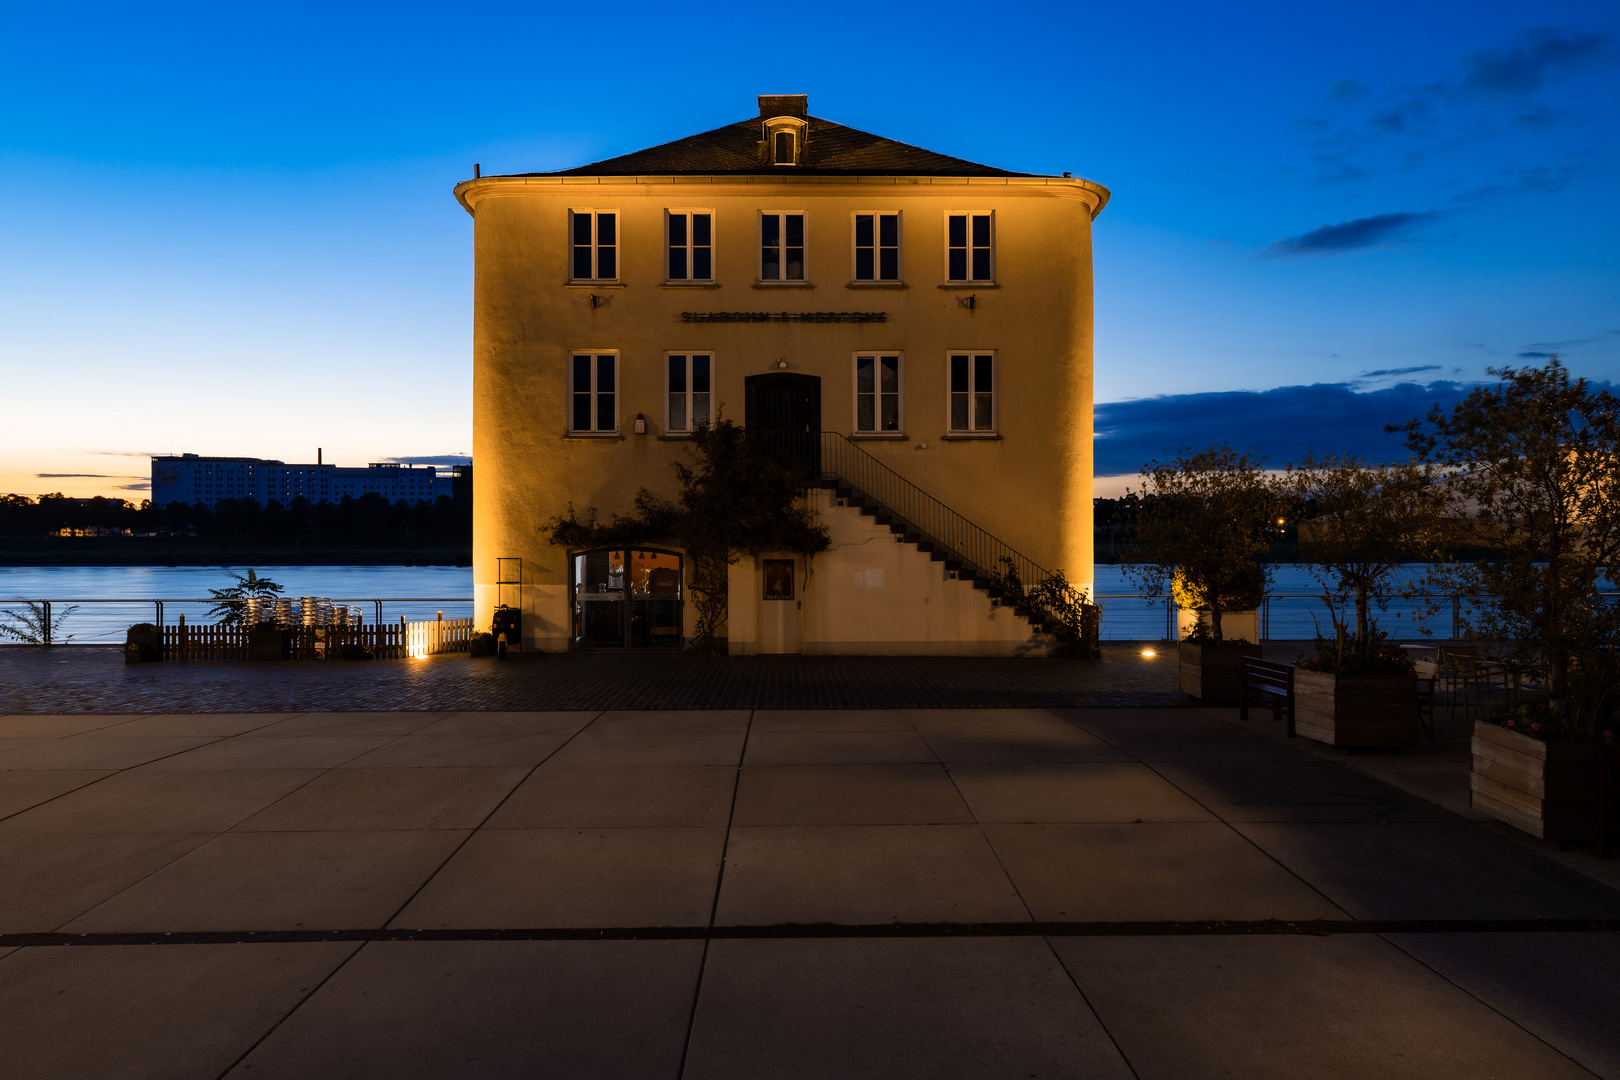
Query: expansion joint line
(714,905)
(364,938)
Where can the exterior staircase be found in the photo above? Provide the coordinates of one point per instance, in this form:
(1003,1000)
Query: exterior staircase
(1045,599)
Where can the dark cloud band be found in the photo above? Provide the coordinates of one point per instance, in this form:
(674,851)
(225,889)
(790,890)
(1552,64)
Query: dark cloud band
(1351,235)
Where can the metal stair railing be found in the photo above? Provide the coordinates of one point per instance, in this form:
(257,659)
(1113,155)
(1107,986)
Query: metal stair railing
(830,458)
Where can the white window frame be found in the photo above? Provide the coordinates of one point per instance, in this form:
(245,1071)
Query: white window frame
(876,430)
(690,248)
(596,245)
(781,217)
(877,248)
(689,393)
(596,356)
(995,393)
(970,279)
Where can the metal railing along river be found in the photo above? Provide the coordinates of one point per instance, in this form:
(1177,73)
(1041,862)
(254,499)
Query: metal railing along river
(1125,616)
(1294,616)
(107,618)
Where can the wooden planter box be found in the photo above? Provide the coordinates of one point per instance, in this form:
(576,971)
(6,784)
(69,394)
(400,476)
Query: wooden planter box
(1209,669)
(1548,789)
(1356,710)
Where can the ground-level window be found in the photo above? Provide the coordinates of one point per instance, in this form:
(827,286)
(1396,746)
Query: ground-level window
(877,246)
(690,378)
(626,599)
(877,393)
(968,247)
(691,245)
(594,390)
(594,239)
(781,247)
(973,392)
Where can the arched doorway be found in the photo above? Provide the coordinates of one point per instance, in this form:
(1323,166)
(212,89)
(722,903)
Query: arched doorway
(626,598)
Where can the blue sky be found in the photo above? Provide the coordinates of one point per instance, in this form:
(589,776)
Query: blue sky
(229,230)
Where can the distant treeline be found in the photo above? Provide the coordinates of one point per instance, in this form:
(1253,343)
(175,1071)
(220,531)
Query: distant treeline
(368,519)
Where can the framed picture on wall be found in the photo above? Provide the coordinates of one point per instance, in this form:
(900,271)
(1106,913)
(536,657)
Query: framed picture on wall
(779,579)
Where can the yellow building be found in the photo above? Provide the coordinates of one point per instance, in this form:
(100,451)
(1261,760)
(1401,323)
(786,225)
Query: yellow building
(921,324)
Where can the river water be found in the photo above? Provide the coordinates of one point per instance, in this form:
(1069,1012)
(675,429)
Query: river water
(419,592)
(416,592)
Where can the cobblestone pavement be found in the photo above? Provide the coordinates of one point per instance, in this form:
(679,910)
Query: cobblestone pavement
(96,680)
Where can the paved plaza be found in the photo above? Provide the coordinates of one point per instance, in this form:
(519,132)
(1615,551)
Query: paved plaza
(1148,892)
(96,680)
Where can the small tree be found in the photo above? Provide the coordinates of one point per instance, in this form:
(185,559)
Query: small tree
(1369,520)
(1533,471)
(1202,526)
(248,587)
(737,497)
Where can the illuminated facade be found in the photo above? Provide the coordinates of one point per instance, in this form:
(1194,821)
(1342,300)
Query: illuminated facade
(921,320)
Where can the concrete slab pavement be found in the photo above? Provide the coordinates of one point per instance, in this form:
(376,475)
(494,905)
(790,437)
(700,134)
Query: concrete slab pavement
(693,893)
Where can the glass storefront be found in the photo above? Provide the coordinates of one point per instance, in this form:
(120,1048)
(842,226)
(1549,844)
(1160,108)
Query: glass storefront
(626,599)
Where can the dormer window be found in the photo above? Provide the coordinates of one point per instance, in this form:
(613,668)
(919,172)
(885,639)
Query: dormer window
(784,139)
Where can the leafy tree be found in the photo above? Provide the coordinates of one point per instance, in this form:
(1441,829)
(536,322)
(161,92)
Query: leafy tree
(1369,519)
(737,497)
(1202,525)
(1532,467)
(248,587)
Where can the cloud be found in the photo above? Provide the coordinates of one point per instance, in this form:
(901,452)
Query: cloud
(1346,92)
(1536,179)
(1531,354)
(85,476)
(431,459)
(1539,53)
(1333,169)
(144,485)
(1282,423)
(1400,371)
(1350,235)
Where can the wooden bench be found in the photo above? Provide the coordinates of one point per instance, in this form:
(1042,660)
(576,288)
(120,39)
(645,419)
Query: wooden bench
(1267,685)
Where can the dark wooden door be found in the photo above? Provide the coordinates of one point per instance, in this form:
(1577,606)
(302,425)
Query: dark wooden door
(784,412)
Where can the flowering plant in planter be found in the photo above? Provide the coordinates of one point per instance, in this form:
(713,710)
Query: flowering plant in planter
(1585,713)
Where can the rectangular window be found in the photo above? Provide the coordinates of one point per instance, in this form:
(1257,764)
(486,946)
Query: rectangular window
(877,247)
(973,392)
(594,378)
(594,239)
(968,247)
(781,247)
(877,394)
(690,245)
(691,381)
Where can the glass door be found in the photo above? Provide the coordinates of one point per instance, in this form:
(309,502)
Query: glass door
(627,599)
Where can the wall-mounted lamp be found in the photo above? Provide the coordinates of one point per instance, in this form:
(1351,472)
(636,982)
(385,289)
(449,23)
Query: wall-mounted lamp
(969,302)
(782,364)
(641,424)
(598,301)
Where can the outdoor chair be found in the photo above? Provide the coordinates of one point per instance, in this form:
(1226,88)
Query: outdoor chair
(1467,675)
(1425,704)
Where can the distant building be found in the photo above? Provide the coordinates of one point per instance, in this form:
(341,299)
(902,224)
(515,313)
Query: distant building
(192,479)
